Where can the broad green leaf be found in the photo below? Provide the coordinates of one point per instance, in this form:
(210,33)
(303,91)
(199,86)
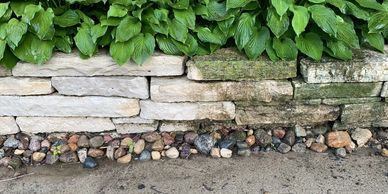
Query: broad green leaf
(310,44)
(378,22)
(244,30)
(180,4)
(144,46)
(338,49)
(67,19)
(121,51)
(121,2)
(281,6)
(3,30)
(236,3)
(372,4)
(15,31)
(30,11)
(178,31)
(340,4)
(3,44)
(42,24)
(117,11)
(189,47)
(347,34)
(7,15)
(3,8)
(34,50)
(9,60)
(186,17)
(285,48)
(256,45)
(356,11)
(325,18)
(86,19)
(128,28)
(63,44)
(84,42)
(18,7)
(167,45)
(278,25)
(317,1)
(97,31)
(375,40)
(205,35)
(270,51)
(300,20)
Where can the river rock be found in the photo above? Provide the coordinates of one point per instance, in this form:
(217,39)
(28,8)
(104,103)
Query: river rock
(289,138)
(151,137)
(51,158)
(120,152)
(186,151)
(18,152)
(384,152)
(318,147)
(262,137)
(38,156)
(83,142)
(96,153)
(244,152)
(11,142)
(226,153)
(250,140)
(155,155)
(172,153)
(340,152)
(73,139)
(45,144)
(110,150)
(284,148)
(300,131)
(215,153)
(96,142)
(82,154)
(320,139)
(227,143)
(238,135)
(145,155)
(68,157)
(204,143)
(361,136)
(89,163)
(338,139)
(125,159)
(299,147)
(158,145)
(139,146)
(126,142)
(279,133)
(190,137)
(167,139)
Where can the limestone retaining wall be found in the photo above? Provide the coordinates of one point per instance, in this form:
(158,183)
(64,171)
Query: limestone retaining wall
(168,93)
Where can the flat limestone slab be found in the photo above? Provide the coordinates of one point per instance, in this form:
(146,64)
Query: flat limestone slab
(374,113)
(184,90)
(130,87)
(60,124)
(24,86)
(229,64)
(367,66)
(134,125)
(340,101)
(187,111)
(60,106)
(286,114)
(101,64)
(8,126)
(4,72)
(170,126)
(384,91)
(305,90)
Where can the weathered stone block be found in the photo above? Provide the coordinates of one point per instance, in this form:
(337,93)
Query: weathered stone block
(60,106)
(384,91)
(366,66)
(102,64)
(340,101)
(278,103)
(61,124)
(286,115)
(134,125)
(304,90)
(367,114)
(187,111)
(131,87)
(8,126)
(229,64)
(184,90)
(4,72)
(24,86)
(170,126)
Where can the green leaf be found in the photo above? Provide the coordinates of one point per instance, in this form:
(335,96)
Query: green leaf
(42,24)
(121,2)
(278,25)
(3,8)
(15,31)
(256,45)
(97,31)
(372,4)
(376,40)
(347,34)
(63,44)
(30,12)
(34,50)
(310,44)
(317,1)
(285,48)
(128,28)
(84,42)
(167,45)
(189,47)
(281,6)
(205,35)
(338,49)
(230,4)
(325,18)
(178,31)
(186,17)
(3,44)
(67,19)
(300,20)
(121,51)
(9,60)
(356,11)
(117,11)
(270,51)
(19,6)
(144,46)
(180,4)
(244,30)
(378,22)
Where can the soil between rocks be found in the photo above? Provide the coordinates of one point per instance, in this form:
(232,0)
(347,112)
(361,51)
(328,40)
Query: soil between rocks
(310,172)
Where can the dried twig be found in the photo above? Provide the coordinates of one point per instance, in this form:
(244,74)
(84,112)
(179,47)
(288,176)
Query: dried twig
(14,178)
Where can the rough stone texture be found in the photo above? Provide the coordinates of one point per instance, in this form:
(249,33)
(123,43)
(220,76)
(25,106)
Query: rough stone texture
(228,64)
(57,124)
(184,90)
(367,114)
(24,86)
(134,125)
(286,114)
(366,66)
(339,101)
(384,91)
(304,90)
(179,126)
(68,106)
(62,64)
(4,72)
(8,126)
(131,87)
(187,111)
